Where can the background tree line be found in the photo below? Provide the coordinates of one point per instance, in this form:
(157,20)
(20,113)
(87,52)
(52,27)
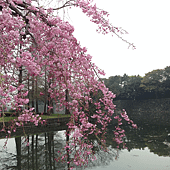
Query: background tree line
(155,84)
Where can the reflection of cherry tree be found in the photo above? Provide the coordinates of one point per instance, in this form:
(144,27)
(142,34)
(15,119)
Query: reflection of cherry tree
(44,148)
(102,158)
(81,156)
(40,154)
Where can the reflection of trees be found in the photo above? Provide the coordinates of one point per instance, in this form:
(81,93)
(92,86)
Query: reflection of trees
(159,148)
(102,159)
(152,118)
(38,155)
(18,149)
(43,149)
(149,136)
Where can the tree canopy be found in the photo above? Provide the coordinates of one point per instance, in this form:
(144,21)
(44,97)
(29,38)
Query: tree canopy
(155,84)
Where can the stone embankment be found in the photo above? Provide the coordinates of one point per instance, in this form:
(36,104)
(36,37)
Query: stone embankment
(153,111)
(55,124)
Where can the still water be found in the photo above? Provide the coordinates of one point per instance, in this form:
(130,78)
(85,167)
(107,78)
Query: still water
(148,146)
(148,149)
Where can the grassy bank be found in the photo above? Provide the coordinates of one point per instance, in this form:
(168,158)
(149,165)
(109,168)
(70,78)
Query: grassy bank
(52,116)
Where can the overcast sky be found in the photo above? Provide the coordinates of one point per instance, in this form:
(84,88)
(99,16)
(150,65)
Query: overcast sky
(147,23)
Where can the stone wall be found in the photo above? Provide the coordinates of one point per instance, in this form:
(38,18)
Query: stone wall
(152,111)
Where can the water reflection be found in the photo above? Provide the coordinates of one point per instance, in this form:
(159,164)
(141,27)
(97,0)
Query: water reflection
(43,148)
(40,154)
(156,138)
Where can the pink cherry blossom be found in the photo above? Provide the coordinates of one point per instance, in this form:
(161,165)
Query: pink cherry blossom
(36,43)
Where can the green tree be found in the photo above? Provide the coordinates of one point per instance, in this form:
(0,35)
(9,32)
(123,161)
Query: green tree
(165,84)
(152,82)
(113,83)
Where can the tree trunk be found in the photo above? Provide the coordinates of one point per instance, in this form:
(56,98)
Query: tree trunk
(50,111)
(19,91)
(67,109)
(37,111)
(45,95)
(28,105)
(32,91)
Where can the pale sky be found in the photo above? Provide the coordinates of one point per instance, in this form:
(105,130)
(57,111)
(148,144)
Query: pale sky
(146,21)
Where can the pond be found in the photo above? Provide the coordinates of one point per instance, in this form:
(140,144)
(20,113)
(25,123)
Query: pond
(148,149)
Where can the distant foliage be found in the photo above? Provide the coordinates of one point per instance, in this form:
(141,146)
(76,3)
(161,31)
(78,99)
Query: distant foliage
(155,84)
